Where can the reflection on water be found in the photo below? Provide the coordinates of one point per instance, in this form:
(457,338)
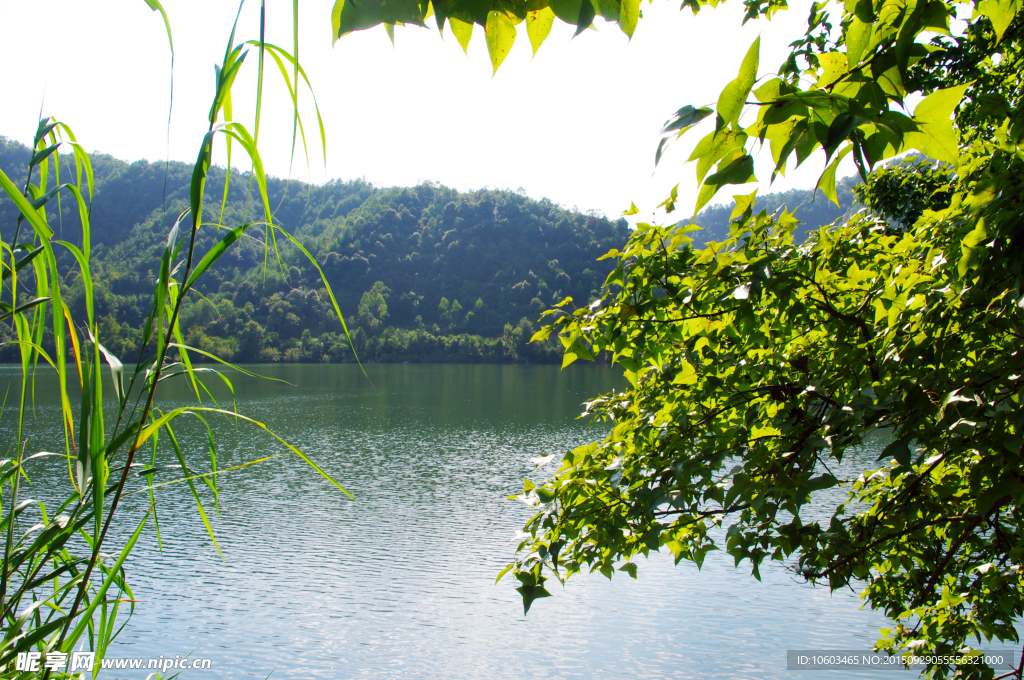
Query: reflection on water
(401,582)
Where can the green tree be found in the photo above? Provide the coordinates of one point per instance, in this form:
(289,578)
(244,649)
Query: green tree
(373,306)
(901,192)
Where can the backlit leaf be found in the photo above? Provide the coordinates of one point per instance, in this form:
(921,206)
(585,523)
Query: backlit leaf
(462,31)
(538,26)
(827,181)
(1000,13)
(738,171)
(734,96)
(501,34)
(935,136)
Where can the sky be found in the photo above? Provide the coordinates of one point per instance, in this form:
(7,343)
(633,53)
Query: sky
(578,123)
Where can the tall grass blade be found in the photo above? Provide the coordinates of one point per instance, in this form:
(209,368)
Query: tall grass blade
(195,494)
(86,614)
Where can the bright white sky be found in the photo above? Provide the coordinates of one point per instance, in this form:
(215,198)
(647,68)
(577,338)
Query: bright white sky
(577,124)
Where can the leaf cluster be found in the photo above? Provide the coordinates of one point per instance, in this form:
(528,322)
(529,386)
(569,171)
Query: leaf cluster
(762,368)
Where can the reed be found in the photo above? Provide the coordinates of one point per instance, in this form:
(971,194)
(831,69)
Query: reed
(63,585)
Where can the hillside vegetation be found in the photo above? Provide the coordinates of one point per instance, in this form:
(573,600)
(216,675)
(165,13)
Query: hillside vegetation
(422,273)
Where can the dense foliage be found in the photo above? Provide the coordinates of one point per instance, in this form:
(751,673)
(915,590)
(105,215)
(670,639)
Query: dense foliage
(811,207)
(462,275)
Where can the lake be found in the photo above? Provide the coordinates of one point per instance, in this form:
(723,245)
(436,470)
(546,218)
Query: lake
(400,583)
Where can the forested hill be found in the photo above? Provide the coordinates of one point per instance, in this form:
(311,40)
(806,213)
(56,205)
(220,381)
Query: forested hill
(812,208)
(421,273)
(457,272)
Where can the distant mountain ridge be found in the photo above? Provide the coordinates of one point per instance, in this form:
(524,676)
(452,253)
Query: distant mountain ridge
(450,262)
(812,208)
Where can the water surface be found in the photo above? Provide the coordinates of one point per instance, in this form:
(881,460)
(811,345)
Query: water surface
(400,583)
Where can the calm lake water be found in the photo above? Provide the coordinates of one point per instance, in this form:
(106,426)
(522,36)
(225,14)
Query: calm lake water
(400,584)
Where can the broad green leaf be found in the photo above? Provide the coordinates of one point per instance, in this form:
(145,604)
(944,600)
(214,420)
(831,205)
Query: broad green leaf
(827,181)
(538,26)
(348,16)
(834,67)
(531,593)
(779,137)
(566,10)
(462,31)
(737,171)
(839,131)
(935,136)
(714,147)
(743,204)
(579,13)
(586,18)
(629,15)
(500,32)
(858,37)
(734,96)
(1000,13)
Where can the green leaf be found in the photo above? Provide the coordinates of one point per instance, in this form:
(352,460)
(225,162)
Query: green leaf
(348,16)
(462,31)
(734,96)
(629,15)
(834,67)
(157,7)
(504,571)
(935,136)
(738,171)
(538,26)
(30,213)
(11,311)
(586,17)
(1000,13)
(97,598)
(840,130)
(827,181)
(531,593)
(714,147)
(743,204)
(215,253)
(899,450)
(685,118)
(192,487)
(158,423)
(858,37)
(500,32)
